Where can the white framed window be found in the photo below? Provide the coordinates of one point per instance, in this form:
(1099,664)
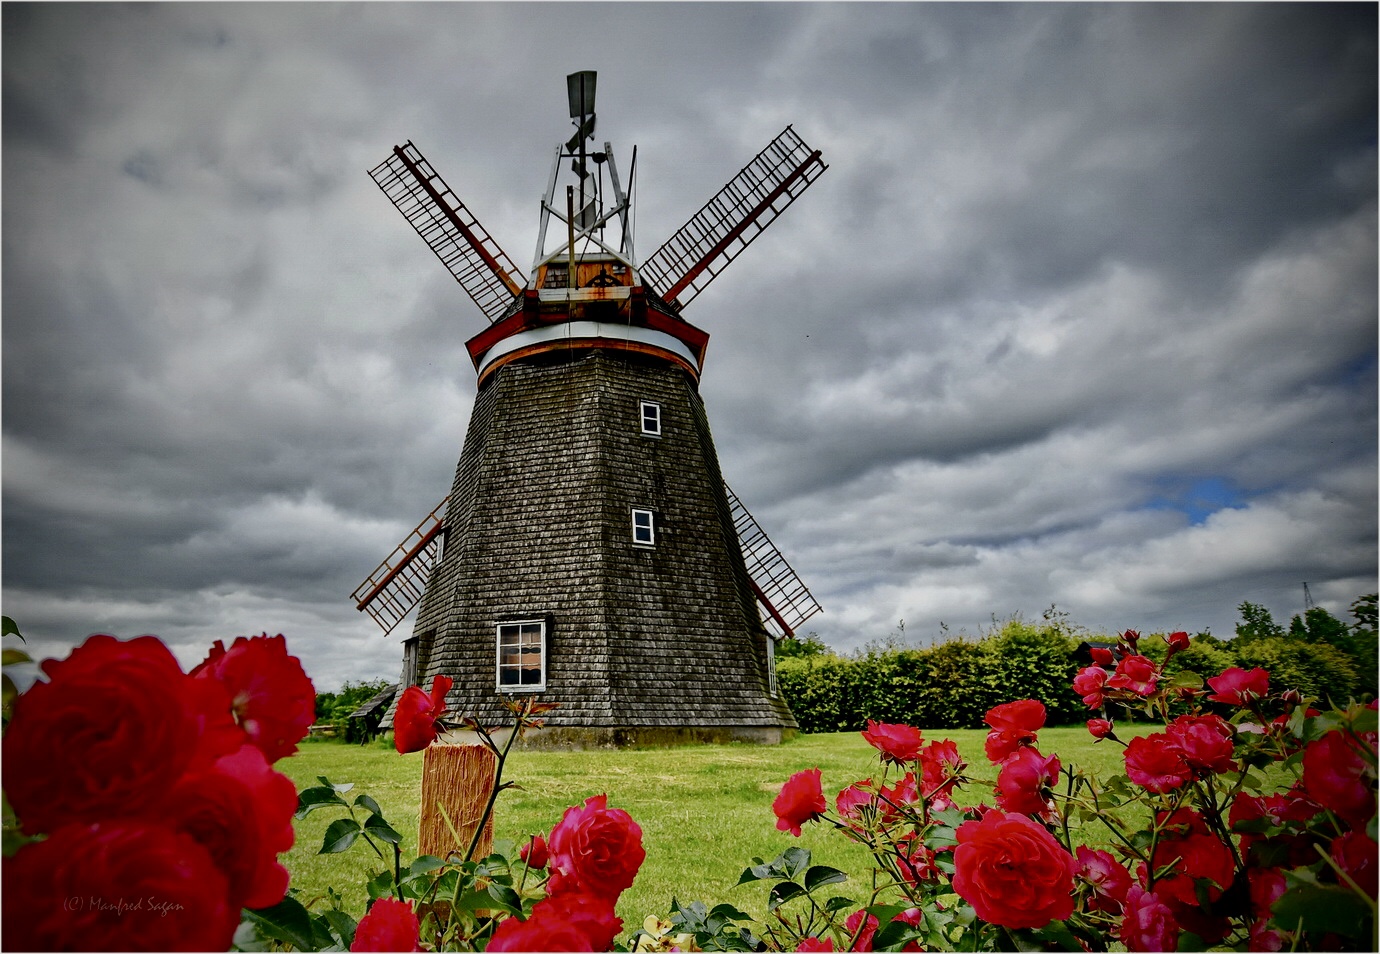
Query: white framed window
(409,673)
(643,528)
(521,656)
(651,418)
(771,665)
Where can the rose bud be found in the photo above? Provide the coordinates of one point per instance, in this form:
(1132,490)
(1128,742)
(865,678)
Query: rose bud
(1101,729)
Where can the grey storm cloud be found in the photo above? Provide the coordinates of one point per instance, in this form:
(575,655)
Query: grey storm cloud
(1083,312)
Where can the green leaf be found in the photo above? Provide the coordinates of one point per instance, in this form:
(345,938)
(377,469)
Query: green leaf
(795,859)
(894,935)
(821,875)
(341,926)
(1057,933)
(311,799)
(424,864)
(365,802)
(782,892)
(1367,720)
(448,885)
(1185,678)
(286,921)
(759,872)
(340,834)
(1323,907)
(838,903)
(8,628)
(342,789)
(506,898)
(10,657)
(729,913)
(380,886)
(376,826)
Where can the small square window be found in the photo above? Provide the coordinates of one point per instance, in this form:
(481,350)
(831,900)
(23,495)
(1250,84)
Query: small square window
(522,656)
(651,419)
(643,528)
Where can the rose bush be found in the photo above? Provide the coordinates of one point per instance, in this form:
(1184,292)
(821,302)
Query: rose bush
(150,810)
(1245,820)
(1261,832)
(151,818)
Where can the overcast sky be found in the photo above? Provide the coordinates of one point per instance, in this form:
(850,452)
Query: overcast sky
(1082,313)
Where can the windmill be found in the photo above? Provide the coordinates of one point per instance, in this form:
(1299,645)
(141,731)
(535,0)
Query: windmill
(589,548)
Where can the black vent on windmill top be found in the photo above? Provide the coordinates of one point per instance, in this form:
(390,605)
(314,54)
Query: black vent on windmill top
(580,552)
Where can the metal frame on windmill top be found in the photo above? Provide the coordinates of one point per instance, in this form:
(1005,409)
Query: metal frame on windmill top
(678,271)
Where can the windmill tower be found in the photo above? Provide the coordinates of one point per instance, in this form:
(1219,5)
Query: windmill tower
(589,549)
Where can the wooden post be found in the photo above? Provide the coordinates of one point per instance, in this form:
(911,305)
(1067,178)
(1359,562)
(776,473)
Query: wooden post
(460,777)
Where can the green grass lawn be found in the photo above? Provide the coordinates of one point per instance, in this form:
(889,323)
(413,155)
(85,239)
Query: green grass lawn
(705,811)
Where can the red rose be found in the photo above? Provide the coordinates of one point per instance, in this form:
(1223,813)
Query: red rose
(1204,741)
(1022,781)
(1355,853)
(862,927)
(595,850)
(1267,885)
(1337,778)
(1197,856)
(1108,878)
(534,853)
(1153,763)
(390,925)
(1013,872)
(898,743)
(1089,683)
(1022,717)
(895,797)
(940,767)
(240,811)
(116,886)
(914,861)
(1137,673)
(115,725)
(1147,924)
(812,944)
(1100,728)
(566,922)
(272,698)
(1100,656)
(1237,687)
(414,722)
(1013,724)
(801,800)
(1177,641)
(854,800)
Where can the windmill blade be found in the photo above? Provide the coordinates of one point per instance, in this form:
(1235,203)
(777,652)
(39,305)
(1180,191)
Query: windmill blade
(397,585)
(482,268)
(718,233)
(784,598)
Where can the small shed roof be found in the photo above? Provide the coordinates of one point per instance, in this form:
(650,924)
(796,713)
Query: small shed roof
(375,702)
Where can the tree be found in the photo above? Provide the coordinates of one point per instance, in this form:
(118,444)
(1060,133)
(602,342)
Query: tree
(798,648)
(1362,640)
(1256,623)
(1317,625)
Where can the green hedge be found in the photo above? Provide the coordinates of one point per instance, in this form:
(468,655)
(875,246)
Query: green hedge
(952,685)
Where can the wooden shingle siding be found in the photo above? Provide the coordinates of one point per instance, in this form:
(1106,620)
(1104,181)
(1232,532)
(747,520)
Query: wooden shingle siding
(539,526)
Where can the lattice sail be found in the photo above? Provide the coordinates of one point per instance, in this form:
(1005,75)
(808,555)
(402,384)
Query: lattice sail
(482,268)
(727,224)
(393,589)
(784,598)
